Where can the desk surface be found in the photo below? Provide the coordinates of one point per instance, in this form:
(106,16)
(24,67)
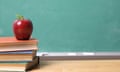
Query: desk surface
(79,66)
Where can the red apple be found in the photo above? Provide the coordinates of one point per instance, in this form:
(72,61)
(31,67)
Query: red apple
(22,28)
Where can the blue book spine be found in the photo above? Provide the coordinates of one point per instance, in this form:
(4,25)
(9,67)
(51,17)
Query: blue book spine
(18,52)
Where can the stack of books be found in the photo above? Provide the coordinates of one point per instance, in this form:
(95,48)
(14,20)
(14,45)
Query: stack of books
(18,55)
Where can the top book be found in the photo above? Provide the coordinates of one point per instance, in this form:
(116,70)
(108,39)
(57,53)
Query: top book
(14,41)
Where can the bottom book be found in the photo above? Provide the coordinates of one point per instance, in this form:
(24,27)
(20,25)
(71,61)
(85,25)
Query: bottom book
(19,66)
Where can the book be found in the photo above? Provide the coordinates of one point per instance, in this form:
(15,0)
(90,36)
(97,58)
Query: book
(19,66)
(12,44)
(14,41)
(17,52)
(17,55)
(18,48)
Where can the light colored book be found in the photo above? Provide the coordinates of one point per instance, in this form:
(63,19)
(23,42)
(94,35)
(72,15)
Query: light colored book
(19,66)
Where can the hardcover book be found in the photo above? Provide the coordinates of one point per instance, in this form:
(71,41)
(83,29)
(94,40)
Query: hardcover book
(14,41)
(19,66)
(12,44)
(17,56)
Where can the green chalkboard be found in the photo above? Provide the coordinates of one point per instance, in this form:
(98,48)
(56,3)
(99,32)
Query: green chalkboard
(67,25)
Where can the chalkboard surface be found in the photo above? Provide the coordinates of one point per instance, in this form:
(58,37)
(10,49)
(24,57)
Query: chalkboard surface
(67,25)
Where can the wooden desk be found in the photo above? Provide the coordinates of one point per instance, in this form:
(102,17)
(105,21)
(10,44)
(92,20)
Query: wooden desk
(79,66)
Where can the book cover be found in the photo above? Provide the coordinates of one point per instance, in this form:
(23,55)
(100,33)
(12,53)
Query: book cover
(14,41)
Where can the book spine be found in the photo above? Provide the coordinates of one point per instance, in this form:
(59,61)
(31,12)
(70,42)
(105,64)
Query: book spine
(18,52)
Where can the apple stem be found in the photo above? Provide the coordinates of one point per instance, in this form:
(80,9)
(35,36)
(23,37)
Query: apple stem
(20,17)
